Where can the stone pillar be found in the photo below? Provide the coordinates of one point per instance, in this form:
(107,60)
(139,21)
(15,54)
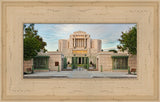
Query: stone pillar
(77,60)
(78,42)
(81,60)
(85,42)
(74,42)
(81,42)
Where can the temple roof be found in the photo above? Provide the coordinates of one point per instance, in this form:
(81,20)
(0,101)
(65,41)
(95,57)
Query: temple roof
(80,33)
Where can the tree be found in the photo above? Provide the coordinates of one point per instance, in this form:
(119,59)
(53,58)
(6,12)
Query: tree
(65,63)
(128,41)
(31,47)
(33,43)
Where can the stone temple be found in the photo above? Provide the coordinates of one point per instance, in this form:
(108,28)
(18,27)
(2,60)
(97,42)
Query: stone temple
(80,50)
(80,45)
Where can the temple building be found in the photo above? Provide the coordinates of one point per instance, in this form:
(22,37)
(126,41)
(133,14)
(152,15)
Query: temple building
(80,50)
(81,46)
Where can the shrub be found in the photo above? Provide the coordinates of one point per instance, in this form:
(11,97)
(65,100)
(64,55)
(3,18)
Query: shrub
(101,68)
(85,66)
(65,63)
(58,69)
(129,72)
(74,66)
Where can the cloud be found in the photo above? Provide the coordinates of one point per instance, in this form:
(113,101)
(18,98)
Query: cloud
(108,33)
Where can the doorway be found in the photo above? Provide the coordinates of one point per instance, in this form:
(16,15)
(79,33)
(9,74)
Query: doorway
(80,60)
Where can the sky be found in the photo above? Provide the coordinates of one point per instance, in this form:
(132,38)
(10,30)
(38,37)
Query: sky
(108,33)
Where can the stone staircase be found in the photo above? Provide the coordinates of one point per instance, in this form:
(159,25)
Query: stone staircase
(80,73)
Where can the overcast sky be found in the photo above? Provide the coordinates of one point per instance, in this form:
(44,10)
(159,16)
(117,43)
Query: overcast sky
(108,33)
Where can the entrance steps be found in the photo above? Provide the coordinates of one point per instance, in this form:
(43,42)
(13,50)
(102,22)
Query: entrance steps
(80,69)
(80,73)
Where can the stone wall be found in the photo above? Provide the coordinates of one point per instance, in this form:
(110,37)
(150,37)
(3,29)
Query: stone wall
(63,44)
(96,44)
(27,64)
(106,61)
(57,57)
(132,61)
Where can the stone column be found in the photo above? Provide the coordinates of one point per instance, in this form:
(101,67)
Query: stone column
(74,42)
(81,42)
(78,42)
(77,60)
(81,60)
(85,42)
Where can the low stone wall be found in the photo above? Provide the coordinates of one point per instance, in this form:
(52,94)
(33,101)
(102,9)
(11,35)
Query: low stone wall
(105,61)
(132,61)
(27,64)
(53,59)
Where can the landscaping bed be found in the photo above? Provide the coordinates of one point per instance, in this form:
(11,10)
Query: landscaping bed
(67,69)
(92,69)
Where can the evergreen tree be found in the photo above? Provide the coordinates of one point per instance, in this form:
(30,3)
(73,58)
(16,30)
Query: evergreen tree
(128,41)
(33,43)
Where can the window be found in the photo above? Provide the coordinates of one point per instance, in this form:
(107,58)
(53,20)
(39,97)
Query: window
(56,63)
(40,62)
(120,62)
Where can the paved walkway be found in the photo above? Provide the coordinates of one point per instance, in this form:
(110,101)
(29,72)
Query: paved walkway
(79,73)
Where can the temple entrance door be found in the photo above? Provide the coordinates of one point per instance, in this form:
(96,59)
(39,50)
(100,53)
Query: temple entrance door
(79,60)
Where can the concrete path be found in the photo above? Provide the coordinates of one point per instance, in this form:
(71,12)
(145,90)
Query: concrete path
(79,73)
